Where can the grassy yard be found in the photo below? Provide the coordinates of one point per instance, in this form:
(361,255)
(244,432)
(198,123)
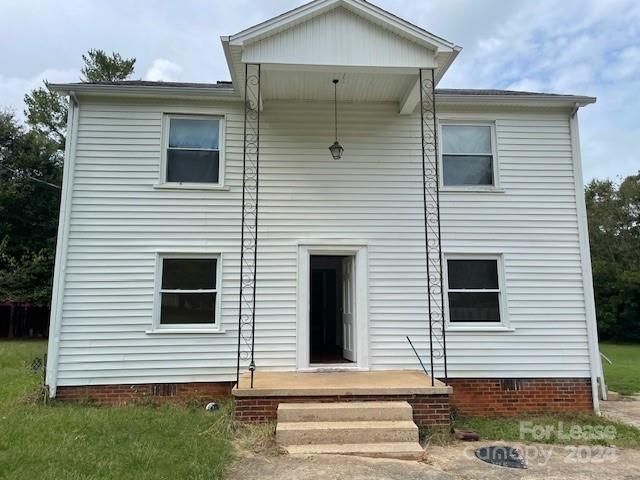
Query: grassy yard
(82,441)
(624,375)
(559,430)
(65,441)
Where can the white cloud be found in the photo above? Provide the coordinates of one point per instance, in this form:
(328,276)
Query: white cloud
(163,69)
(573,47)
(13,89)
(526,84)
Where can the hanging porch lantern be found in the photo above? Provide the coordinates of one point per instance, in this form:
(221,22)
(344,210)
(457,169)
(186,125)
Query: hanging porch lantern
(336,149)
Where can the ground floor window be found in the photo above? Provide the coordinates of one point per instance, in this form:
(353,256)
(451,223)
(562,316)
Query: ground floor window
(188,287)
(474,289)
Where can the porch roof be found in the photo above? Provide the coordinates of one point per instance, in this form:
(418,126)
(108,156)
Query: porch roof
(375,54)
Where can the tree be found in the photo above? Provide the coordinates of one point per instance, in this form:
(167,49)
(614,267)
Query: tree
(46,111)
(30,178)
(99,67)
(613,214)
(30,170)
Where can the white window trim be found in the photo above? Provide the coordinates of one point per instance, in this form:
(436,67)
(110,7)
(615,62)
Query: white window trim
(504,324)
(157,327)
(495,188)
(166,121)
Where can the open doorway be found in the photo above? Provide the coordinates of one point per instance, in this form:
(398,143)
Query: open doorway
(331,309)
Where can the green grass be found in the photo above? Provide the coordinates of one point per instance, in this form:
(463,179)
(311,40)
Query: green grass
(624,375)
(558,430)
(76,441)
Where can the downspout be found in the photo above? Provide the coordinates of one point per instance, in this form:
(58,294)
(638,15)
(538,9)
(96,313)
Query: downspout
(595,363)
(64,218)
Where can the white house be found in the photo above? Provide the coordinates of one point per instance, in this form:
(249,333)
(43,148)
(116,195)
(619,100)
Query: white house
(455,218)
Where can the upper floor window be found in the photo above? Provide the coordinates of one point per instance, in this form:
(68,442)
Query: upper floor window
(193,150)
(468,157)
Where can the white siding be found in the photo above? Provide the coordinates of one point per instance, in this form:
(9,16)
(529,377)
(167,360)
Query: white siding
(118,222)
(339,37)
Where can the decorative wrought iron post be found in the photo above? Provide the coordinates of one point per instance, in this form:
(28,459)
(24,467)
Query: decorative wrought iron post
(249,235)
(433,243)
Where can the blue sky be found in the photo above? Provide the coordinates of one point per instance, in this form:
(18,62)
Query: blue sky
(571,46)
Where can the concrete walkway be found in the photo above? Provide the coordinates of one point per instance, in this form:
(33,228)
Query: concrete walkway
(625,411)
(546,462)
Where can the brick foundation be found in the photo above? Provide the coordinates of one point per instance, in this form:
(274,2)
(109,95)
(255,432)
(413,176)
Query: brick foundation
(119,394)
(494,397)
(487,397)
(428,410)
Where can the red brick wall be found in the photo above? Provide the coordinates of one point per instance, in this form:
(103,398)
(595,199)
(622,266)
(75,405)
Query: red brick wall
(489,397)
(428,410)
(494,397)
(119,394)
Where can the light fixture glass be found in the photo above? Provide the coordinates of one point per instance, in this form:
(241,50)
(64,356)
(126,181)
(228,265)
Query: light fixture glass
(336,149)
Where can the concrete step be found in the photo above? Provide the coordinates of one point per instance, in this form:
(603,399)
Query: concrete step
(344,411)
(398,450)
(306,433)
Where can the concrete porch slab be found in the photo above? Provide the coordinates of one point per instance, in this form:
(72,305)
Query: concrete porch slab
(296,384)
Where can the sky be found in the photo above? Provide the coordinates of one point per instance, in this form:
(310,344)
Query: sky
(584,47)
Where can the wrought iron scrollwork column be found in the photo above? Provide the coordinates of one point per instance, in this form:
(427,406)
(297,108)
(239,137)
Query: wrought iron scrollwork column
(433,243)
(249,235)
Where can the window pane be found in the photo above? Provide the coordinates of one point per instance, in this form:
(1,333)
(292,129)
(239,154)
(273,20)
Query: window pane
(193,133)
(466,139)
(467,170)
(181,308)
(474,307)
(472,274)
(196,166)
(188,273)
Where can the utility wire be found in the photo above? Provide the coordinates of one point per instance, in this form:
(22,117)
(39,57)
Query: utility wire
(29,177)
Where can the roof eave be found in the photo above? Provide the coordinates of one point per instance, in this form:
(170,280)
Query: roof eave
(226,48)
(534,101)
(145,90)
(441,70)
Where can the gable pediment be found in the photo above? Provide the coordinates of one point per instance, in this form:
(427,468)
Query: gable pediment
(339,37)
(353,40)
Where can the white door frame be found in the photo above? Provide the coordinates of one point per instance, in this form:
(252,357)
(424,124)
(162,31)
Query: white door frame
(361,292)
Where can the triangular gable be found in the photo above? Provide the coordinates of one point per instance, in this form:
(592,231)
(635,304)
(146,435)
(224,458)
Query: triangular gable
(361,8)
(341,38)
(338,35)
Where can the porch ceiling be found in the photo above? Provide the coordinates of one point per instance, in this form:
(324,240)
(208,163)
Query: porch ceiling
(353,86)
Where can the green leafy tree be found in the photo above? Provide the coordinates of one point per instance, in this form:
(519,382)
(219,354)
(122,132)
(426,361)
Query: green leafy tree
(30,179)
(30,175)
(614,233)
(100,67)
(46,111)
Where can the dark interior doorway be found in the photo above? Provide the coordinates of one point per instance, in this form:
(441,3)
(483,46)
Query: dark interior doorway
(326,310)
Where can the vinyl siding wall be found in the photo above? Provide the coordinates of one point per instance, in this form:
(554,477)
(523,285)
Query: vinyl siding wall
(374,194)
